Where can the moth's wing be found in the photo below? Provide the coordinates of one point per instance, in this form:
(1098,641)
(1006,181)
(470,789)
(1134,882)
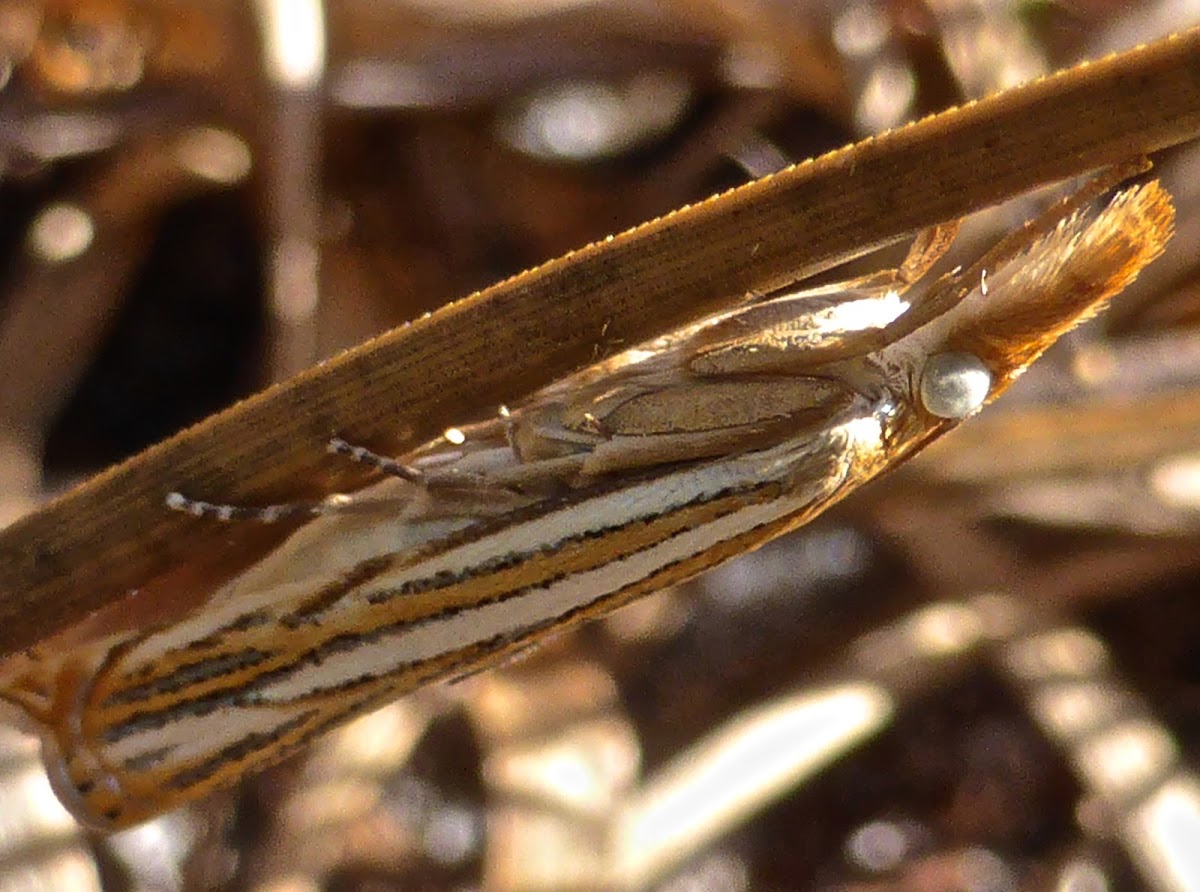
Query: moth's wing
(277,658)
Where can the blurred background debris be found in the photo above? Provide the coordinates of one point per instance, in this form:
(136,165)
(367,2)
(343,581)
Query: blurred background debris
(979,674)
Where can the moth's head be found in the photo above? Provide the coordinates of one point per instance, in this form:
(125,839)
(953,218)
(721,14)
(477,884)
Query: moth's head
(970,354)
(954,384)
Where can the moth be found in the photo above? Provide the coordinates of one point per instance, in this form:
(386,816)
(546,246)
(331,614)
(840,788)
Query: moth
(623,479)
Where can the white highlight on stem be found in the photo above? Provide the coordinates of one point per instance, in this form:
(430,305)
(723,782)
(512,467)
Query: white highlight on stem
(293,35)
(764,752)
(1163,833)
(61,232)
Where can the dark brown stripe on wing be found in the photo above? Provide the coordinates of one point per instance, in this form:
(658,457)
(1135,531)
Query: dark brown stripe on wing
(310,609)
(217,667)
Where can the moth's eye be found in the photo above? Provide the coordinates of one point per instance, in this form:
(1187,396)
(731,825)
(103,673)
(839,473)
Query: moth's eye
(953,385)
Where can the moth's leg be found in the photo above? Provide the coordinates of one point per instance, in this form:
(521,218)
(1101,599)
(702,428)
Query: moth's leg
(626,454)
(530,477)
(558,428)
(927,248)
